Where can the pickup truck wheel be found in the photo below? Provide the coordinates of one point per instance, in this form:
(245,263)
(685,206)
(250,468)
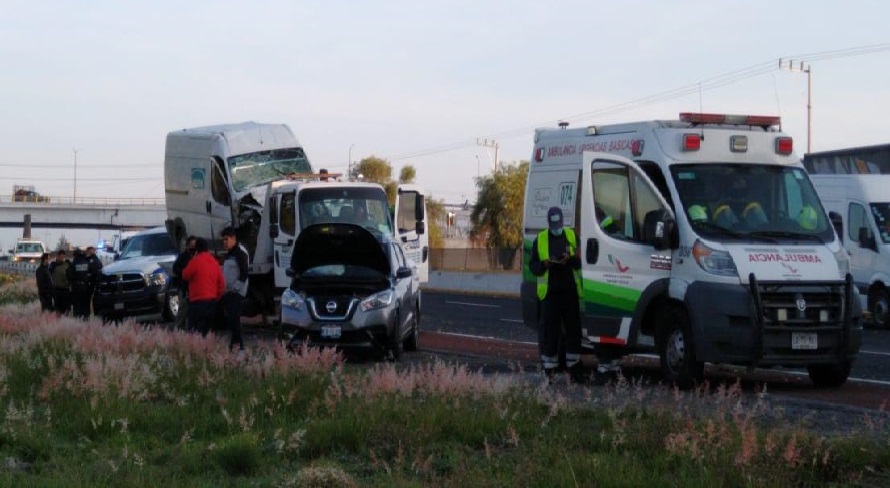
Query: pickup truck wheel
(677,350)
(829,375)
(171,305)
(878,306)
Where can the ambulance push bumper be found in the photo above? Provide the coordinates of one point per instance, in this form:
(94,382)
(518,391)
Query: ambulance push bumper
(775,323)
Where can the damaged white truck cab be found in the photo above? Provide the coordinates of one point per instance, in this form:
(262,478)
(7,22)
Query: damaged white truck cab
(701,239)
(257,179)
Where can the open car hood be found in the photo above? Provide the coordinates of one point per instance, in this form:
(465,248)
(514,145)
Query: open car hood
(346,244)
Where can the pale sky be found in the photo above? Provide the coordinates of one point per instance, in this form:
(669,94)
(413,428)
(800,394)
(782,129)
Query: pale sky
(405,80)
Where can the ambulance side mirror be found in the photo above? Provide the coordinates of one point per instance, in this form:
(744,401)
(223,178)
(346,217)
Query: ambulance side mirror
(659,229)
(838,223)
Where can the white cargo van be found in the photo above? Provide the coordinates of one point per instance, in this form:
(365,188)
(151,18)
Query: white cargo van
(720,250)
(863,202)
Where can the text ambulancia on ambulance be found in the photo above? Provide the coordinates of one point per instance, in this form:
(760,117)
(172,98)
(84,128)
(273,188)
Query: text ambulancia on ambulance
(702,239)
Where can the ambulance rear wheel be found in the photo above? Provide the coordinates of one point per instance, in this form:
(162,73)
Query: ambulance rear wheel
(878,306)
(677,350)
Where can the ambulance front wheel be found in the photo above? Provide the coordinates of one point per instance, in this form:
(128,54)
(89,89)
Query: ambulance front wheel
(677,350)
(878,306)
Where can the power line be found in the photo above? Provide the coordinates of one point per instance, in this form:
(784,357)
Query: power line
(705,85)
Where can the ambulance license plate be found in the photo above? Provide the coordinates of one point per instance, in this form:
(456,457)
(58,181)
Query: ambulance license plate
(804,340)
(330,331)
(118,306)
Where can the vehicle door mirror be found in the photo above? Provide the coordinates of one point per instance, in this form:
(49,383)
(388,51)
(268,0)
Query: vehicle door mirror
(403,272)
(838,223)
(420,227)
(659,229)
(273,230)
(866,239)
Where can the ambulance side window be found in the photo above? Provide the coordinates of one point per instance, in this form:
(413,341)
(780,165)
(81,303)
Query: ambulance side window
(623,198)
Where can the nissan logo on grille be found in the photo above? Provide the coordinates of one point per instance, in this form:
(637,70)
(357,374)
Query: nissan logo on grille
(801,304)
(331,306)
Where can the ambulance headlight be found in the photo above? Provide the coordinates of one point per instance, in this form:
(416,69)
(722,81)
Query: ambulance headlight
(716,262)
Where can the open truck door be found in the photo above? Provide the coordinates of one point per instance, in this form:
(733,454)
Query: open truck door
(411,227)
(283,231)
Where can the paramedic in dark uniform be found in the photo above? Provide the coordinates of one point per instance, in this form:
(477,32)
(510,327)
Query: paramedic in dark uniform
(556,262)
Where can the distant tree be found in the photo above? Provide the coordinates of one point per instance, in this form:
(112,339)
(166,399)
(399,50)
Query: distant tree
(435,215)
(63,243)
(496,219)
(374,169)
(407,174)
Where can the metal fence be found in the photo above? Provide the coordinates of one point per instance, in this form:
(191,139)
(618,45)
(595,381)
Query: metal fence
(18,267)
(476,259)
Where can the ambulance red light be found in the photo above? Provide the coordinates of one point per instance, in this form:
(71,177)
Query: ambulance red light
(784,145)
(752,120)
(636,147)
(539,154)
(691,142)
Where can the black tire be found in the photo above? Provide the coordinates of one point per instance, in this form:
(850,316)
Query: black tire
(829,375)
(171,305)
(676,350)
(410,342)
(879,306)
(394,352)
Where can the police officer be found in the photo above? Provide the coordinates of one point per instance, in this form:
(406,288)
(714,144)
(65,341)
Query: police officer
(80,285)
(95,270)
(556,261)
(60,270)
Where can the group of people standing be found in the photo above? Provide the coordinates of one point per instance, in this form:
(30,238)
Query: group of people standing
(66,286)
(208,288)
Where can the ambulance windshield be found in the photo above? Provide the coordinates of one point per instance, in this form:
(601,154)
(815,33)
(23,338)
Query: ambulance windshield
(745,201)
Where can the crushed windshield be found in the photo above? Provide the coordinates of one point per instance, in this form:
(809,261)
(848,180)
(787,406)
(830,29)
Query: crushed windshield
(148,245)
(250,170)
(881,213)
(365,206)
(742,201)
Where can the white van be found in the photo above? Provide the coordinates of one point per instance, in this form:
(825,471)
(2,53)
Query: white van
(863,203)
(684,269)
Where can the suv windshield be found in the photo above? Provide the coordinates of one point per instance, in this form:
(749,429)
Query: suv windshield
(249,170)
(365,206)
(148,245)
(881,213)
(742,201)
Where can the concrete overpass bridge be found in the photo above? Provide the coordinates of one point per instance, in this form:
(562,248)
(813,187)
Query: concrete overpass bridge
(83,213)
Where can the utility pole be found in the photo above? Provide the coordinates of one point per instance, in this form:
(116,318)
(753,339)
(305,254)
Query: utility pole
(477,166)
(349,166)
(492,143)
(804,68)
(74,200)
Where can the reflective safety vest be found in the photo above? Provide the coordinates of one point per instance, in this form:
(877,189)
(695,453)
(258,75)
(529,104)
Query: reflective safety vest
(544,252)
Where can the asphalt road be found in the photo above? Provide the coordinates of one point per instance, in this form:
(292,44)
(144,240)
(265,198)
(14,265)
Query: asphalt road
(500,318)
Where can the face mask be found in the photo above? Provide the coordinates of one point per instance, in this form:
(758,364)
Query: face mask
(556,232)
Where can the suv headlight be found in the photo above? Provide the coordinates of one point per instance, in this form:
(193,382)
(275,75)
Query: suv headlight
(377,301)
(157,277)
(716,262)
(292,299)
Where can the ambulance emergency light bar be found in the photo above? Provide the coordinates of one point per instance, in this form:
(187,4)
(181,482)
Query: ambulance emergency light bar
(764,121)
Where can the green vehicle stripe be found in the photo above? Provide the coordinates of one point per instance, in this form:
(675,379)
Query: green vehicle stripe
(609,296)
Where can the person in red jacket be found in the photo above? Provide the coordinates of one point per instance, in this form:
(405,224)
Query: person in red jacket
(206,286)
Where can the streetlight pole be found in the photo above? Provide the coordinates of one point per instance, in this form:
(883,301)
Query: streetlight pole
(804,68)
(74,200)
(477,166)
(349,166)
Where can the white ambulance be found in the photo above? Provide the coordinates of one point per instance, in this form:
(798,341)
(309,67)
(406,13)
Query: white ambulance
(717,248)
(862,201)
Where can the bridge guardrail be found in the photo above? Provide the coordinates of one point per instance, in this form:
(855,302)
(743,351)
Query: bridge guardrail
(18,267)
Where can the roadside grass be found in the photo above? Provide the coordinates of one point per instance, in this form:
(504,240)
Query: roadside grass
(90,405)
